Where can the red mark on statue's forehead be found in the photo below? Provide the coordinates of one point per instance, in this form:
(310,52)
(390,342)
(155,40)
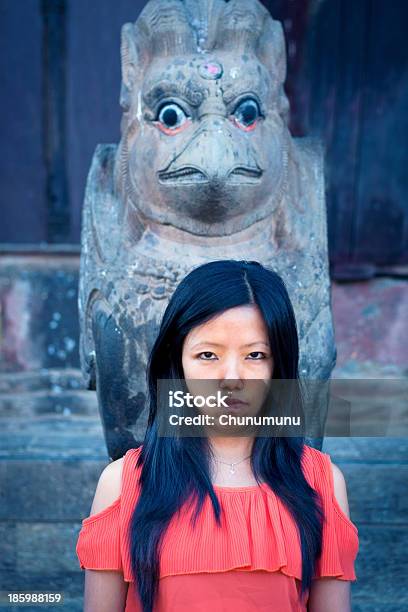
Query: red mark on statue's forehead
(210,69)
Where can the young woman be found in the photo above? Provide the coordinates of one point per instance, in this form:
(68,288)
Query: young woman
(217,522)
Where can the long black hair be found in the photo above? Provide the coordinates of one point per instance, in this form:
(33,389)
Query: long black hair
(176,469)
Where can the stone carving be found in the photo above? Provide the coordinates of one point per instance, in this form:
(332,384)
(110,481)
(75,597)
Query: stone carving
(206,169)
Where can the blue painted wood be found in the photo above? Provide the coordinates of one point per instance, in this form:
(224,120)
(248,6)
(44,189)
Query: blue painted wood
(54,92)
(22,170)
(354,73)
(93,86)
(381,216)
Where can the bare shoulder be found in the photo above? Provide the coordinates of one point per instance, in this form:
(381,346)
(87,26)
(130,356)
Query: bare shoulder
(340,489)
(109,484)
(339,482)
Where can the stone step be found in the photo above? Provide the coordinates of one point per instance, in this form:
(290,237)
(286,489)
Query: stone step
(48,489)
(52,438)
(27,395)
(381,567)
(56,462)
(379,606)
(367,450)
(44,379)
(71,604)
(44,402)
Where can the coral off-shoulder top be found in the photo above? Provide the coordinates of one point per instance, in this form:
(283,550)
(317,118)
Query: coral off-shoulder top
(251,564)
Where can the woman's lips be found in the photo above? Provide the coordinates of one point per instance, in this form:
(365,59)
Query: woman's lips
(235,404)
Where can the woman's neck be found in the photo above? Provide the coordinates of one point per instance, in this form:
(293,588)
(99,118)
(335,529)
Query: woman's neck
(231,466)
(231,448)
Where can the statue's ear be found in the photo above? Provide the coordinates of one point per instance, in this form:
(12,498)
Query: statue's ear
(272,52)
(272,49)
(129,60)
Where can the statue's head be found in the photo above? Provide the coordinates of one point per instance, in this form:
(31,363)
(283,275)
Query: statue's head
(205,140)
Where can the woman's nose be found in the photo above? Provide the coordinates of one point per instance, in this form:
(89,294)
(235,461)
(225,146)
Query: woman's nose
(231,375)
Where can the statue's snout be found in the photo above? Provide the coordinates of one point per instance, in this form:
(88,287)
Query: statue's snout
(214,155)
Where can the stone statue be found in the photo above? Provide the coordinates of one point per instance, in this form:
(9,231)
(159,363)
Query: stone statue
(206,169)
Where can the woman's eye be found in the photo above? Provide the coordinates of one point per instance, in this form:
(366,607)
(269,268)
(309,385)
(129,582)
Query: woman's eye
(247,112)
(259,353)
(207,356)
(172,116)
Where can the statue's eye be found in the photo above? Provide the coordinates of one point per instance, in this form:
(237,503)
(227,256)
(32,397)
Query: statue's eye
(171,116)
(247,112)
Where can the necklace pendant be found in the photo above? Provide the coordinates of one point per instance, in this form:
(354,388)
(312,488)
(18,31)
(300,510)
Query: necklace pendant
(232,470)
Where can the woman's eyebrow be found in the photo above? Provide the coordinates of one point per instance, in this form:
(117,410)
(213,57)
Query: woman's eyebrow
(216,344)
(203,342)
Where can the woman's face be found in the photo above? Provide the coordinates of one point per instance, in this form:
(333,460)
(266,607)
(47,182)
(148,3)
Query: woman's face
(231,346)
(229,354)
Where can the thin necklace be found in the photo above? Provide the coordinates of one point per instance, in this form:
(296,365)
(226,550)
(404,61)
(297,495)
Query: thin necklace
(232,470)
